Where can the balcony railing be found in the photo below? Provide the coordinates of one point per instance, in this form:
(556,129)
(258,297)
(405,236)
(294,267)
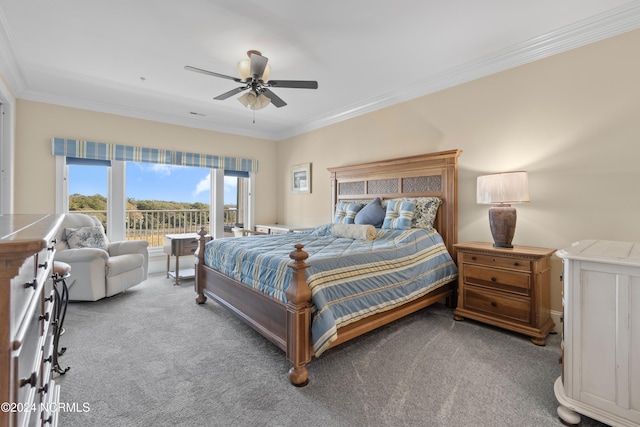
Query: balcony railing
(152,225)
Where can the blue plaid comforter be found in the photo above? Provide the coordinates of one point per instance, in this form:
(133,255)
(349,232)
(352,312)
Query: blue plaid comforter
(349,279)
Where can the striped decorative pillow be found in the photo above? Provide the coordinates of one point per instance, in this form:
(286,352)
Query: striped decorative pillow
(346,212)
(426,210)
(399,215)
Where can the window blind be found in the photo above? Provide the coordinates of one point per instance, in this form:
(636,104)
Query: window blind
(107,152)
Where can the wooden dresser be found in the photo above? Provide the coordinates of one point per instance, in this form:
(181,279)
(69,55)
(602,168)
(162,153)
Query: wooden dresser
(28,393)
(506,287)
(601,334)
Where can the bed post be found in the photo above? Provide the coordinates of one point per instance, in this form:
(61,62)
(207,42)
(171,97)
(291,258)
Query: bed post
(200,299)
(298,319)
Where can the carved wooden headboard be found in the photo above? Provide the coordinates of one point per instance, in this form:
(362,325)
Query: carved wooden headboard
(433,174)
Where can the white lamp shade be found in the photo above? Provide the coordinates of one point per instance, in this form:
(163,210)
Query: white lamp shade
(244,69)
(503,188)
(254,101)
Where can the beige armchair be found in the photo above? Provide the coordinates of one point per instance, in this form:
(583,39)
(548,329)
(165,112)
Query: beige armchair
(99,268)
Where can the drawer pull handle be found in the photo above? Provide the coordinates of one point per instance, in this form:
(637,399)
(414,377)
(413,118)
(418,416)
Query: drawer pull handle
(48,420)
(49,298)
(44,388)
(48,359)
(493,279)
(29,381)
(53,245)
(44,317)
(516,264)
(473,258)
(31,284)
(494,304)
(44,266)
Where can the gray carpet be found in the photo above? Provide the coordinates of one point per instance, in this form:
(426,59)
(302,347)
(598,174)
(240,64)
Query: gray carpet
(152,357)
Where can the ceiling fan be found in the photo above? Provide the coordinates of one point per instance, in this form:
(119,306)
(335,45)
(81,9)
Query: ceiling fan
(254,77)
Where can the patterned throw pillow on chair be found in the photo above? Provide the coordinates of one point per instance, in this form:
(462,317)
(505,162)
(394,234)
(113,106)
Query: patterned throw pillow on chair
(86,237)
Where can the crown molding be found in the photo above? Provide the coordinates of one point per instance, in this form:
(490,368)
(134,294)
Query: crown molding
(10,69)
(612,23)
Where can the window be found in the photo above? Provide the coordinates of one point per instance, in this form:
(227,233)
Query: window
(87,189)
(121,156)
(165,199)
(147,200)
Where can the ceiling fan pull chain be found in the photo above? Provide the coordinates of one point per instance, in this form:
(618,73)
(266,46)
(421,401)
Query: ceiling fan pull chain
(254,117)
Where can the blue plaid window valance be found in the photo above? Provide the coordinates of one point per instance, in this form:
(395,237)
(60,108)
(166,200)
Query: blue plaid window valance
(103,151)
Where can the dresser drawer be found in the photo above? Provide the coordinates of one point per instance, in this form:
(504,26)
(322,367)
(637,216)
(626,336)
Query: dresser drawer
(27,356)
(496,261)
(44,263)
(264,230)
(23,291)
(498,306)
(502,280)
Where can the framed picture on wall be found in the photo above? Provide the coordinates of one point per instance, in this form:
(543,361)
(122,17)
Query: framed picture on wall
(301,178)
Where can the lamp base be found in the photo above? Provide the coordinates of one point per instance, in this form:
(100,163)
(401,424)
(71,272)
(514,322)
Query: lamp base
(502,220)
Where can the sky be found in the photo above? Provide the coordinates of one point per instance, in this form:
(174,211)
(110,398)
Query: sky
(148,181)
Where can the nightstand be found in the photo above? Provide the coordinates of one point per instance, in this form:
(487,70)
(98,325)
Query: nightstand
(505,287)
(181,245)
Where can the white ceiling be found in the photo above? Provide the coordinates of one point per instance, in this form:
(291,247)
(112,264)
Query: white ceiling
(365,55)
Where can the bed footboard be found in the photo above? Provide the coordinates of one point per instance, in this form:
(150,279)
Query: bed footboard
(286,325)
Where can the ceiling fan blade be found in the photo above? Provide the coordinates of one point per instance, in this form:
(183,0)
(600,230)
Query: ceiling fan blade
(275,99)
(211,73)
(297,84)
(231,93)
(258,64)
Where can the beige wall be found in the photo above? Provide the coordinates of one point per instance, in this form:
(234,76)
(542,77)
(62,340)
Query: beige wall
(572,121)
(37,123)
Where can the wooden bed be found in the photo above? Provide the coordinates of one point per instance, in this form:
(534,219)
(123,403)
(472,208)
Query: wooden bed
(288,325)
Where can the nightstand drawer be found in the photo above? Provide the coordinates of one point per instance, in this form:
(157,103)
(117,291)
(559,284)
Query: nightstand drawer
(494,261)
(184,247)
(498,306)
(188,247)
(503,280)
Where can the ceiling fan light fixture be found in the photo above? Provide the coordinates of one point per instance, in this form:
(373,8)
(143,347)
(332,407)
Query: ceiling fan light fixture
(254,101)
(244,67)
(254,73)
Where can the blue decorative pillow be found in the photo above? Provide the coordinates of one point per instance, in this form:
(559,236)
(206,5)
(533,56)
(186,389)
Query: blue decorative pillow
(372,214)
(346,212)
(399,215)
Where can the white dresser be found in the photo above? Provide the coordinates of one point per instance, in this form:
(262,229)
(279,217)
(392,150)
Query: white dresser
(28,393)
(601,340)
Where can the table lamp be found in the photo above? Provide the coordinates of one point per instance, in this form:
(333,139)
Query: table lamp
(501,190)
